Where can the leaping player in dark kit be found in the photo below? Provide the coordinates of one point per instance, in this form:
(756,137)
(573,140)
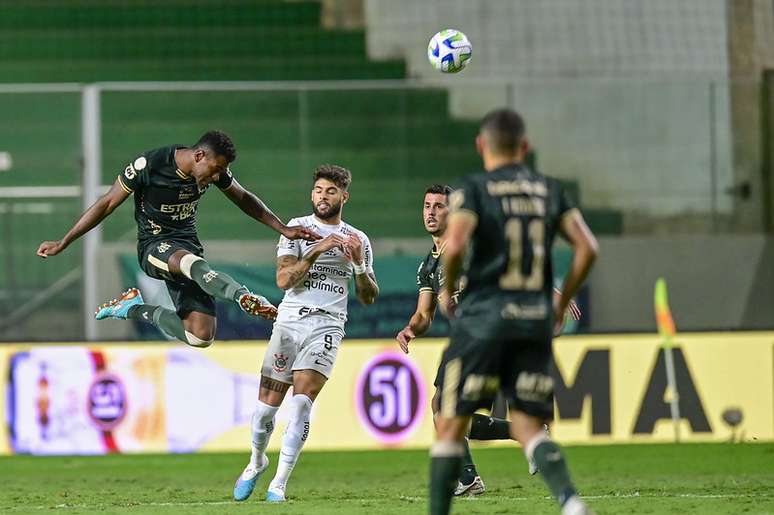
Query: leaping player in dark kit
(167,184)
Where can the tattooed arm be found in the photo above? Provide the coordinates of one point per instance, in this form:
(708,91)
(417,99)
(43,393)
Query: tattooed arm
(291,270)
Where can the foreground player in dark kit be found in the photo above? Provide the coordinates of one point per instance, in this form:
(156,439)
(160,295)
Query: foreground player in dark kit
(168,183)
(430,281)
(503,325)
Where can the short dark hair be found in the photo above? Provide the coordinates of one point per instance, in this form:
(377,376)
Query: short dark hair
(439,189)
(338,175)
(219,143)
(504,130)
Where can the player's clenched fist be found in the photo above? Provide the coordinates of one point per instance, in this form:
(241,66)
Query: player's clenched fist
(353,247)
(50,248)
(331,242)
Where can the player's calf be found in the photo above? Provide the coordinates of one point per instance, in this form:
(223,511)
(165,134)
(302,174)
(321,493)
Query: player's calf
(130,306)
(300,408)
(262,425)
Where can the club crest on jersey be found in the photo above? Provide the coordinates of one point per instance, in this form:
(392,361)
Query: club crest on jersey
(154,227)
(280,362)
(163,247)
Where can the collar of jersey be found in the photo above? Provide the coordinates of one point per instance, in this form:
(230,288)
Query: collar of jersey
(438,252)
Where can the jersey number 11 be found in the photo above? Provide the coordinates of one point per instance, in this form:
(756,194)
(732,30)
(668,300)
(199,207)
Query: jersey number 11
(514,278)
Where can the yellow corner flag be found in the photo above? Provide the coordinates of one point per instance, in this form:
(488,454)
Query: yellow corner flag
(664,321)
(666,328)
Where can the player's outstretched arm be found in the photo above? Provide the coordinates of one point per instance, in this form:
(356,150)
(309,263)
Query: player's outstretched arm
(291,270)
(420,322)
(98,211)
(254,207)
(585,247)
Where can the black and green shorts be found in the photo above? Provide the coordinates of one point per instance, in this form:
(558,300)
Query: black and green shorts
(186,295)
(473,369)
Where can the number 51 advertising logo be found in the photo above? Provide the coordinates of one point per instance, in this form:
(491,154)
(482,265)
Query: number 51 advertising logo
(390,397)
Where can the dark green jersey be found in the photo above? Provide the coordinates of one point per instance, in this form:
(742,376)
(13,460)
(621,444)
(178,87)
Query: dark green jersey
(165,199)
(508,271)
(429,274)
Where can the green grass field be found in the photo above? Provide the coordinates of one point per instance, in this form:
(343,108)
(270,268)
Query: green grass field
(688,478)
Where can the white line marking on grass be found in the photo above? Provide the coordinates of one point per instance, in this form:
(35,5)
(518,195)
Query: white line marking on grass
(487,498)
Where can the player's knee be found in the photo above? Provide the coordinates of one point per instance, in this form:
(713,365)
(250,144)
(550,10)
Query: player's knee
(200,338)
(187,261)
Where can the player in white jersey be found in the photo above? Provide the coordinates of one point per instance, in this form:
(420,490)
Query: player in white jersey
(309,326)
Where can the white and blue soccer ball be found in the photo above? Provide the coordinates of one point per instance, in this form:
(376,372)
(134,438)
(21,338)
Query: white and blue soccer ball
(449,51)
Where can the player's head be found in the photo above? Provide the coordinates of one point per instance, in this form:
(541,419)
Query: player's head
(436,208)
(502,137)
(329,192)
(212,154)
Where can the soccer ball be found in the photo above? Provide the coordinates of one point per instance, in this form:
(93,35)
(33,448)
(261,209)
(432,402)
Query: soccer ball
(449,51)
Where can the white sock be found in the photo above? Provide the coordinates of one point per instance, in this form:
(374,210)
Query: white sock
(262,427)
(293,440)
(574,506)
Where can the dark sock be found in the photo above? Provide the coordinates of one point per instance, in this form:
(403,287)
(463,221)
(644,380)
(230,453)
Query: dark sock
(549,459)
(489,428)
(468,473)
(163,318)
(444,471)
(217,284)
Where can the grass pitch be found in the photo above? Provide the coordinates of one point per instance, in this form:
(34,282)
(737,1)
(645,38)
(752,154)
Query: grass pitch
(688,478)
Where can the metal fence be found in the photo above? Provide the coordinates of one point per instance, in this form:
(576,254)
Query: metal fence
(655,155)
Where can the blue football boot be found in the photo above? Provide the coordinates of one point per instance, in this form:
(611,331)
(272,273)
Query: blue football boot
(276,493)
(118,308)
(245,484)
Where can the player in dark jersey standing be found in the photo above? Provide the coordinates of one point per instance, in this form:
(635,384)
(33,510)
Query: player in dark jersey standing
(503,325)
(168,183)
(430,281)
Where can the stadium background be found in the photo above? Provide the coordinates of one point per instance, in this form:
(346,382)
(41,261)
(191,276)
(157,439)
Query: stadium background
(657,115)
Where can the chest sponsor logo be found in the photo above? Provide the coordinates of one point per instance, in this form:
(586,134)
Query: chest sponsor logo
(319,281)
(180,211)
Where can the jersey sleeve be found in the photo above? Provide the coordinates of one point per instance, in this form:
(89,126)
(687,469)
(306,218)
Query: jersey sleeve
(135,175)
(464,199)
(565,202)
(225,179)
(287,247)
(424,283)
(368,254)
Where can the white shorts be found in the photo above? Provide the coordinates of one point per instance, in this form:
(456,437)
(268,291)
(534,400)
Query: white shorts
(307,343)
